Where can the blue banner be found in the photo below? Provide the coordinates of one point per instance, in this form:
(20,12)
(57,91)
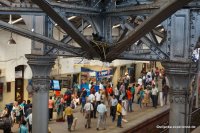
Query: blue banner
(104,73)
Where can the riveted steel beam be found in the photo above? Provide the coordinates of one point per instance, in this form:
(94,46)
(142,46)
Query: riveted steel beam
(67,27)
(153,37)
(139,51)
(5,2)
(167,9)
(125,31)
(153,46)
(21,11)
(76,9)
(40,38)
(59,52)
(67,8)
(130,55)
(67,38)
(160,54)
(133,10)
(17,4)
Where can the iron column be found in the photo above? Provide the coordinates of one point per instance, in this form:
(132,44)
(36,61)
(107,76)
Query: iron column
(180,76)
(41,67)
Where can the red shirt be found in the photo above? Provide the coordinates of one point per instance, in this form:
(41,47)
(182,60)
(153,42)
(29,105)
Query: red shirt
(110,90)
(129,95)
(57,93)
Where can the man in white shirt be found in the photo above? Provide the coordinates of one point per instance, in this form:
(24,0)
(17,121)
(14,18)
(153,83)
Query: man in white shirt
(154,93)
(140,81)
(91,98)
(87,112)
(29,119)
(149,74)
(101,108)
(116,93)
(97,101)
(98,97)
(101,86)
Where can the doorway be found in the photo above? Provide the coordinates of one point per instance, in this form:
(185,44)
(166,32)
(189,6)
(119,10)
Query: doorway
(19,83)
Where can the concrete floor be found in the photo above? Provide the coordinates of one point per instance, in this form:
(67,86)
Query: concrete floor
(197,130)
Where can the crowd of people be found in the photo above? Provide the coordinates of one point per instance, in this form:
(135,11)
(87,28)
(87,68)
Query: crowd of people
(20,114)
(96,103)
(117,100)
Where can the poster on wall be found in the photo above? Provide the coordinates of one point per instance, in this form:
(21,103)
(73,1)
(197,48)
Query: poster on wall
(1,91)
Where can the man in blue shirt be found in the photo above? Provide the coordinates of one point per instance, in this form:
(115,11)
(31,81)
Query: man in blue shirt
(101,108)
(113,107)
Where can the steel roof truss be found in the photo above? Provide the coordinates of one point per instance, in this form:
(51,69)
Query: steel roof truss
(67,26)
(167,8)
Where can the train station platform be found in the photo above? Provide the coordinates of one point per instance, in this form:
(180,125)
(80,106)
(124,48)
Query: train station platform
(134,119)
(197,130)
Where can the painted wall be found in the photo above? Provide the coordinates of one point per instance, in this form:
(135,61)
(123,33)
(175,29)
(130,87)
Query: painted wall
(9,97)
(14,54)
(11,56)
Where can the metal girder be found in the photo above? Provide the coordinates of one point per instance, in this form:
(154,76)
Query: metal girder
(139,51)
(67,38)
(153,37)
(59,52)
(66,55)
(160,54)
(40,38)
(129,55)
(76,9)
(17,4)
(67,27)
(122,35)
(21,11)
(167,9)
(67,8)
(152,45)
(5,2)
(132,10)
(153,53)
(158,33)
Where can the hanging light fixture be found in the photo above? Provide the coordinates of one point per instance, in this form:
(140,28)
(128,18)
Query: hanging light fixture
(11,40)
